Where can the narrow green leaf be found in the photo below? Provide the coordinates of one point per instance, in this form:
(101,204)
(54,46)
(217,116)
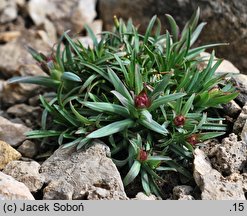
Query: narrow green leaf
(82,143)
(145,182)
(111,128)
(187,106)
(71,76)
(91,35)
(42,133)
(149,29)
(174,27)
(118,85)
(209,135)
(38,80)
(81,118)
(107,107)
(161,86)
(72,143)
(154,126)
(196,33)
(159,158)
(165,99)
(133,172)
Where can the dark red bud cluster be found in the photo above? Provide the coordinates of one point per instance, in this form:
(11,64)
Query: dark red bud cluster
(179,120)
(143,155)
(142,100)
(193,139)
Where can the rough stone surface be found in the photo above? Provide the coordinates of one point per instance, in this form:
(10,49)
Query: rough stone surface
(182,192)
(244,133)
(12,133)
(10,189)
(90,173)
(28,149)
(58,190)
(143,196)
(230,156)
(8,11)
(7,154)
(16,93)
(9,36)
(30,115)
(64,14)
(13,54)
(212,184)
(239,124)
(27,173)
(232,109)
(226,20)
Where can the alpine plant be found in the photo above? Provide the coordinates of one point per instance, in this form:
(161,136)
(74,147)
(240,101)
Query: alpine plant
(146,96)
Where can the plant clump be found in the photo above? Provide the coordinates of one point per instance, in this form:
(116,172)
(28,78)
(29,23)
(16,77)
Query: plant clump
(143,95)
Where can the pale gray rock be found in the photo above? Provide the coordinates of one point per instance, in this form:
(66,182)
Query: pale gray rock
(239,123)
(226,20)
(212,184)
(64,14)
(10,189)
(183,192)
(22,110)
(232,109)
(12,133)
(27,173)
(8,11)
(28,149)
(143,196)
(13,55)
(230,156)
(58,190)
(90,172)
(244,133)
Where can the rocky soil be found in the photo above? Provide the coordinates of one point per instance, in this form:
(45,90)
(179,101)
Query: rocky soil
(28,171)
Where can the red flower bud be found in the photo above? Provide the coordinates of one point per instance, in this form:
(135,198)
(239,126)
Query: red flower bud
(179,120)
(143,155)
(142,100)
(193,139)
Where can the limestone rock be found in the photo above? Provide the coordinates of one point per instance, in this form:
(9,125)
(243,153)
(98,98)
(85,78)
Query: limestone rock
(16,93)
(13,54)
(7,154)
(143,196)
(230,156)
(12,133)
(10,189)
(8,11)
(212,184)
(27,173)
(183,192)
(91,174)
(58,190)
(226,20)
(30,115)
(244,133)
(232,109)
(239,123)
(28,149)
(64,14)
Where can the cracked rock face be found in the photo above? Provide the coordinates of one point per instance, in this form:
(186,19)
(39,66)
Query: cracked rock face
(88,174)
(10,189)
(12,133)
(230,156)
(212,184)
(27,173)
